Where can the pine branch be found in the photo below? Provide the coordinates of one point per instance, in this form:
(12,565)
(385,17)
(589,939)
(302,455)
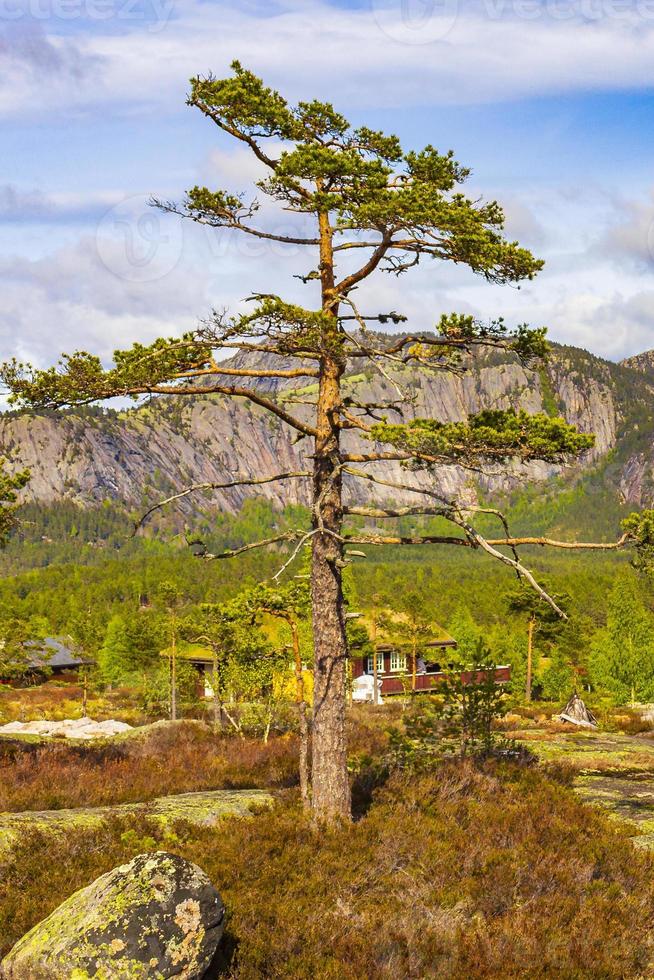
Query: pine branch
(253,396)
(204,487)
(344,286)
(233,223)
(264,543)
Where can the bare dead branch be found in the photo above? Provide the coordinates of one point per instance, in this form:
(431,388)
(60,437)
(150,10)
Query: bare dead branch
(622,542)
(289,561)
(251,394)
(415,539)
(204,487)
(393,485)
(284,536)
(307,372)
(379,513)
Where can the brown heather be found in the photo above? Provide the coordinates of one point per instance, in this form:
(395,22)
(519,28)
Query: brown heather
(497,872)
(180,758)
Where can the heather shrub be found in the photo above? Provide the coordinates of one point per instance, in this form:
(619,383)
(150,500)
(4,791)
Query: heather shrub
(492,872)
(171,758)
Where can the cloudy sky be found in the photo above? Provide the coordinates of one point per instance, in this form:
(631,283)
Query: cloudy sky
(550,103)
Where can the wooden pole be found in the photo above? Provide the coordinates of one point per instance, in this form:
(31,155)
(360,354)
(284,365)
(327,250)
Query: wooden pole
(217,713)
(85,690)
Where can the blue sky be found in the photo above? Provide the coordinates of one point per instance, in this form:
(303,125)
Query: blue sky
(551,104)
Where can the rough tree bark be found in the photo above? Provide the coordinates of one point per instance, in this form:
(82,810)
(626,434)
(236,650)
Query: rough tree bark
(330,784)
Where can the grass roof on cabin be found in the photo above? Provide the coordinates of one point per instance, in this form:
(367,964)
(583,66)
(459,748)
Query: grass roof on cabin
(193,652)
(395,633)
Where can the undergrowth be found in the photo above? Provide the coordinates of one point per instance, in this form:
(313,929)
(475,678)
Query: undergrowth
(491,872)
(175,758)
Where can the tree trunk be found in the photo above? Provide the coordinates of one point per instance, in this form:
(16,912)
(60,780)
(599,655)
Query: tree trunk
(173,679)
(217,712)
(330,783)
(331,790)
(302,713)
(530,655)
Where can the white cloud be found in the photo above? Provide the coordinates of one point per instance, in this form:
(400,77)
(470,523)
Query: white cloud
(476,52)
(135,275)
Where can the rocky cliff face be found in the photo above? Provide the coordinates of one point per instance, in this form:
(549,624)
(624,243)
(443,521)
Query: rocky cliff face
(165,446)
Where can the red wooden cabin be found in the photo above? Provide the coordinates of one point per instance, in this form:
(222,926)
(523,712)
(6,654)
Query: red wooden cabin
(396,673)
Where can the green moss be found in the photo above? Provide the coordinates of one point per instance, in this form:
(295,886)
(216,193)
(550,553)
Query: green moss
(198,809)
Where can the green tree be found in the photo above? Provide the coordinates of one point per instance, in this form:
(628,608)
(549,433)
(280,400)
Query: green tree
(542,619)
(473,700)
(15,635)
(417,627)
(292,605)
(622,655)
(169,596)
(466,633)
(355,192)
(116,655)
(244,662)
(558,677)
(10,487)
(156,688)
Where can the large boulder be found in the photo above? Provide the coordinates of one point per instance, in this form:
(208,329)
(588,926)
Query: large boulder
(158,916)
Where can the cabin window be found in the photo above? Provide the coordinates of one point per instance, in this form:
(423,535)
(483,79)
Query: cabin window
(398,662)
(370,664)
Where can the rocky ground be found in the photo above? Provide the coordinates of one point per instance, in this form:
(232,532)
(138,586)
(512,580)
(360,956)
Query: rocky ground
(78,728)
(611,770)
(200,809)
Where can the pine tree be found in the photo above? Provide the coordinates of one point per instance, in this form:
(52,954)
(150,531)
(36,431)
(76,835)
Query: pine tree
(622,656)
(116,656)
(10,487)
(542,622)
(355,193)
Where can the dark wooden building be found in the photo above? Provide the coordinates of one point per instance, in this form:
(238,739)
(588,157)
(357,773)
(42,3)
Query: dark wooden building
(399,669)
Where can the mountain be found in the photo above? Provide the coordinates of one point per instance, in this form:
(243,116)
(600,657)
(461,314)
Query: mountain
(92,455)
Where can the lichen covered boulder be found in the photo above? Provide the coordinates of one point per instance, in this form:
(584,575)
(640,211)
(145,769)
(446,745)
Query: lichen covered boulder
(158,916)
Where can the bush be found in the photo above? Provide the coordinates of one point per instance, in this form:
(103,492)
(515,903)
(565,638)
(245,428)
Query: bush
(169,758)
(491,873)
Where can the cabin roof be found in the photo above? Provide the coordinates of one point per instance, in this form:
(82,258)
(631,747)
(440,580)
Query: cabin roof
(195,653)
(445,641)
(393,635)
(53,652)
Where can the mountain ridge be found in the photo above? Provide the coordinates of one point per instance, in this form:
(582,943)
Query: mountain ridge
(135,456)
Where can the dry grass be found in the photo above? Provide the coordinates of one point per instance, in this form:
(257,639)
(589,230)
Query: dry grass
(180,758)
(57,700)
(499,873)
